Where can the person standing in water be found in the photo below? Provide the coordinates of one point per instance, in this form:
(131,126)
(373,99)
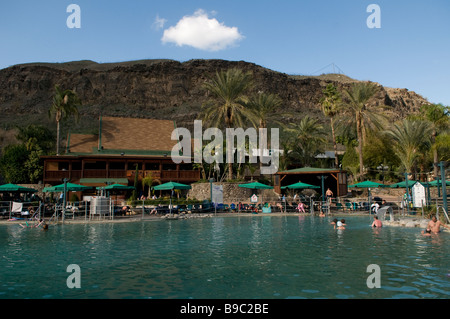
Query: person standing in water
(435,225)
(376,222)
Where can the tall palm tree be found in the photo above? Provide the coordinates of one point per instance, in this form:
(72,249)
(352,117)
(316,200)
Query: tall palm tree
(65,103)
(308,139)
(411,138)
(228,110)
(263,107)
(437,116)
(331,102)
(356,113)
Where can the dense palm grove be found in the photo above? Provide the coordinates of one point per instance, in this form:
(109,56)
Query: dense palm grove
(365,140)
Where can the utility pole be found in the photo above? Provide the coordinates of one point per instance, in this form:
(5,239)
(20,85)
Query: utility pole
(444,190)
(407,193)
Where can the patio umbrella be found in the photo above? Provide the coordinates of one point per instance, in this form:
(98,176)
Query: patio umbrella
(48,189)
(403,184)
(435,183)
(115,188)
(70,187)
(16,189)
(171,186)
(368,185)
(119,187)
(300,185)
(256,185)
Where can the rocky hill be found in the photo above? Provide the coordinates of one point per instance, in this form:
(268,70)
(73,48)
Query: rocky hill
(163,89)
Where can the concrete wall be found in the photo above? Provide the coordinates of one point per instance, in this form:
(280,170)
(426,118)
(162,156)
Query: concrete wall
(232,193)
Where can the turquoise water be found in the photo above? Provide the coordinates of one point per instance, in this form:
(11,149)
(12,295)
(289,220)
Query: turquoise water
(225,257)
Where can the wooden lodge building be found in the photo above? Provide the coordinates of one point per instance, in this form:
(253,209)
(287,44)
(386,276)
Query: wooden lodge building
(111,156)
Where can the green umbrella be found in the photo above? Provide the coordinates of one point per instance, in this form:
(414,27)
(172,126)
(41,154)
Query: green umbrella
(16,188)
(119,187)
(300,185)
(49,189)
(115,188)
(256,185)
(403,184)
(70,187)
(170,186)
(367,184)
(435,183)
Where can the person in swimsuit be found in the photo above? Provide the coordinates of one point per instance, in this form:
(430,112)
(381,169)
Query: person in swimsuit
(329,195)
(435,225)
(376,222)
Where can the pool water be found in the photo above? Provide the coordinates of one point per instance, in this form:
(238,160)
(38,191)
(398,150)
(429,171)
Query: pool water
(270,257)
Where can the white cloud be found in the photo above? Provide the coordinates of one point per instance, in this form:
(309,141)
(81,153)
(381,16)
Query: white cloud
(201,32)
(158,23)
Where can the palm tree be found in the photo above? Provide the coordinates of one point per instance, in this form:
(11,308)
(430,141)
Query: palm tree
(356,113)
(307,139)
(65,103)
(437,116)
(228,109)
(331,102)
(264,107)
(148,181)
(411,138)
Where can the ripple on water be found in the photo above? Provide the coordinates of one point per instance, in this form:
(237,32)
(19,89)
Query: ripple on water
(270,257)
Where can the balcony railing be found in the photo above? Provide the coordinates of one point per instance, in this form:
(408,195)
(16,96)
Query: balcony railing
(101,173)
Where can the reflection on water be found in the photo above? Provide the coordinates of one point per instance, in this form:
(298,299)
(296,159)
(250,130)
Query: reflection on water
(234,257)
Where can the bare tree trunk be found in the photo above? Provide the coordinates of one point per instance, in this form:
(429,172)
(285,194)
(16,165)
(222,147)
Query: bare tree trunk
(360,144)
(336,159)
(57,137)
(435,155)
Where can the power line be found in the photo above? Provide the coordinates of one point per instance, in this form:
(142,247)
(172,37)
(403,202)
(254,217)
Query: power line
(334,69)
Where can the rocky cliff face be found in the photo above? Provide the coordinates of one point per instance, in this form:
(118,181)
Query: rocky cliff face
(163,89)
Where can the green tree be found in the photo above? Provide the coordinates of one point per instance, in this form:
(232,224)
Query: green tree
(227,108)
(437,117)
(65,104)
(263,107)
(34,165)
(378,151)
(356,113)
(443,146)
(307,139)
(148,181)
(331,102)
(12,165)
(36,136)
(410,139)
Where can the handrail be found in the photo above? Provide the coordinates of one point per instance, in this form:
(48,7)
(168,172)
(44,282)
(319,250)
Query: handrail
(445,213)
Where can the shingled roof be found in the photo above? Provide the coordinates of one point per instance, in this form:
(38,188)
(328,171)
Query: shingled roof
(130,136)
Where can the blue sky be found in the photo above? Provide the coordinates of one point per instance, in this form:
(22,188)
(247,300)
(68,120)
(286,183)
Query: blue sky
(411,49)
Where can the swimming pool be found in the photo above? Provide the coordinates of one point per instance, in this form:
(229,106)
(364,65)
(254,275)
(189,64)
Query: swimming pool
(257,256)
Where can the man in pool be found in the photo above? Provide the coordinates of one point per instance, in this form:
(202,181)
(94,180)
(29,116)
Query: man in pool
(376,222)
(435,225)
